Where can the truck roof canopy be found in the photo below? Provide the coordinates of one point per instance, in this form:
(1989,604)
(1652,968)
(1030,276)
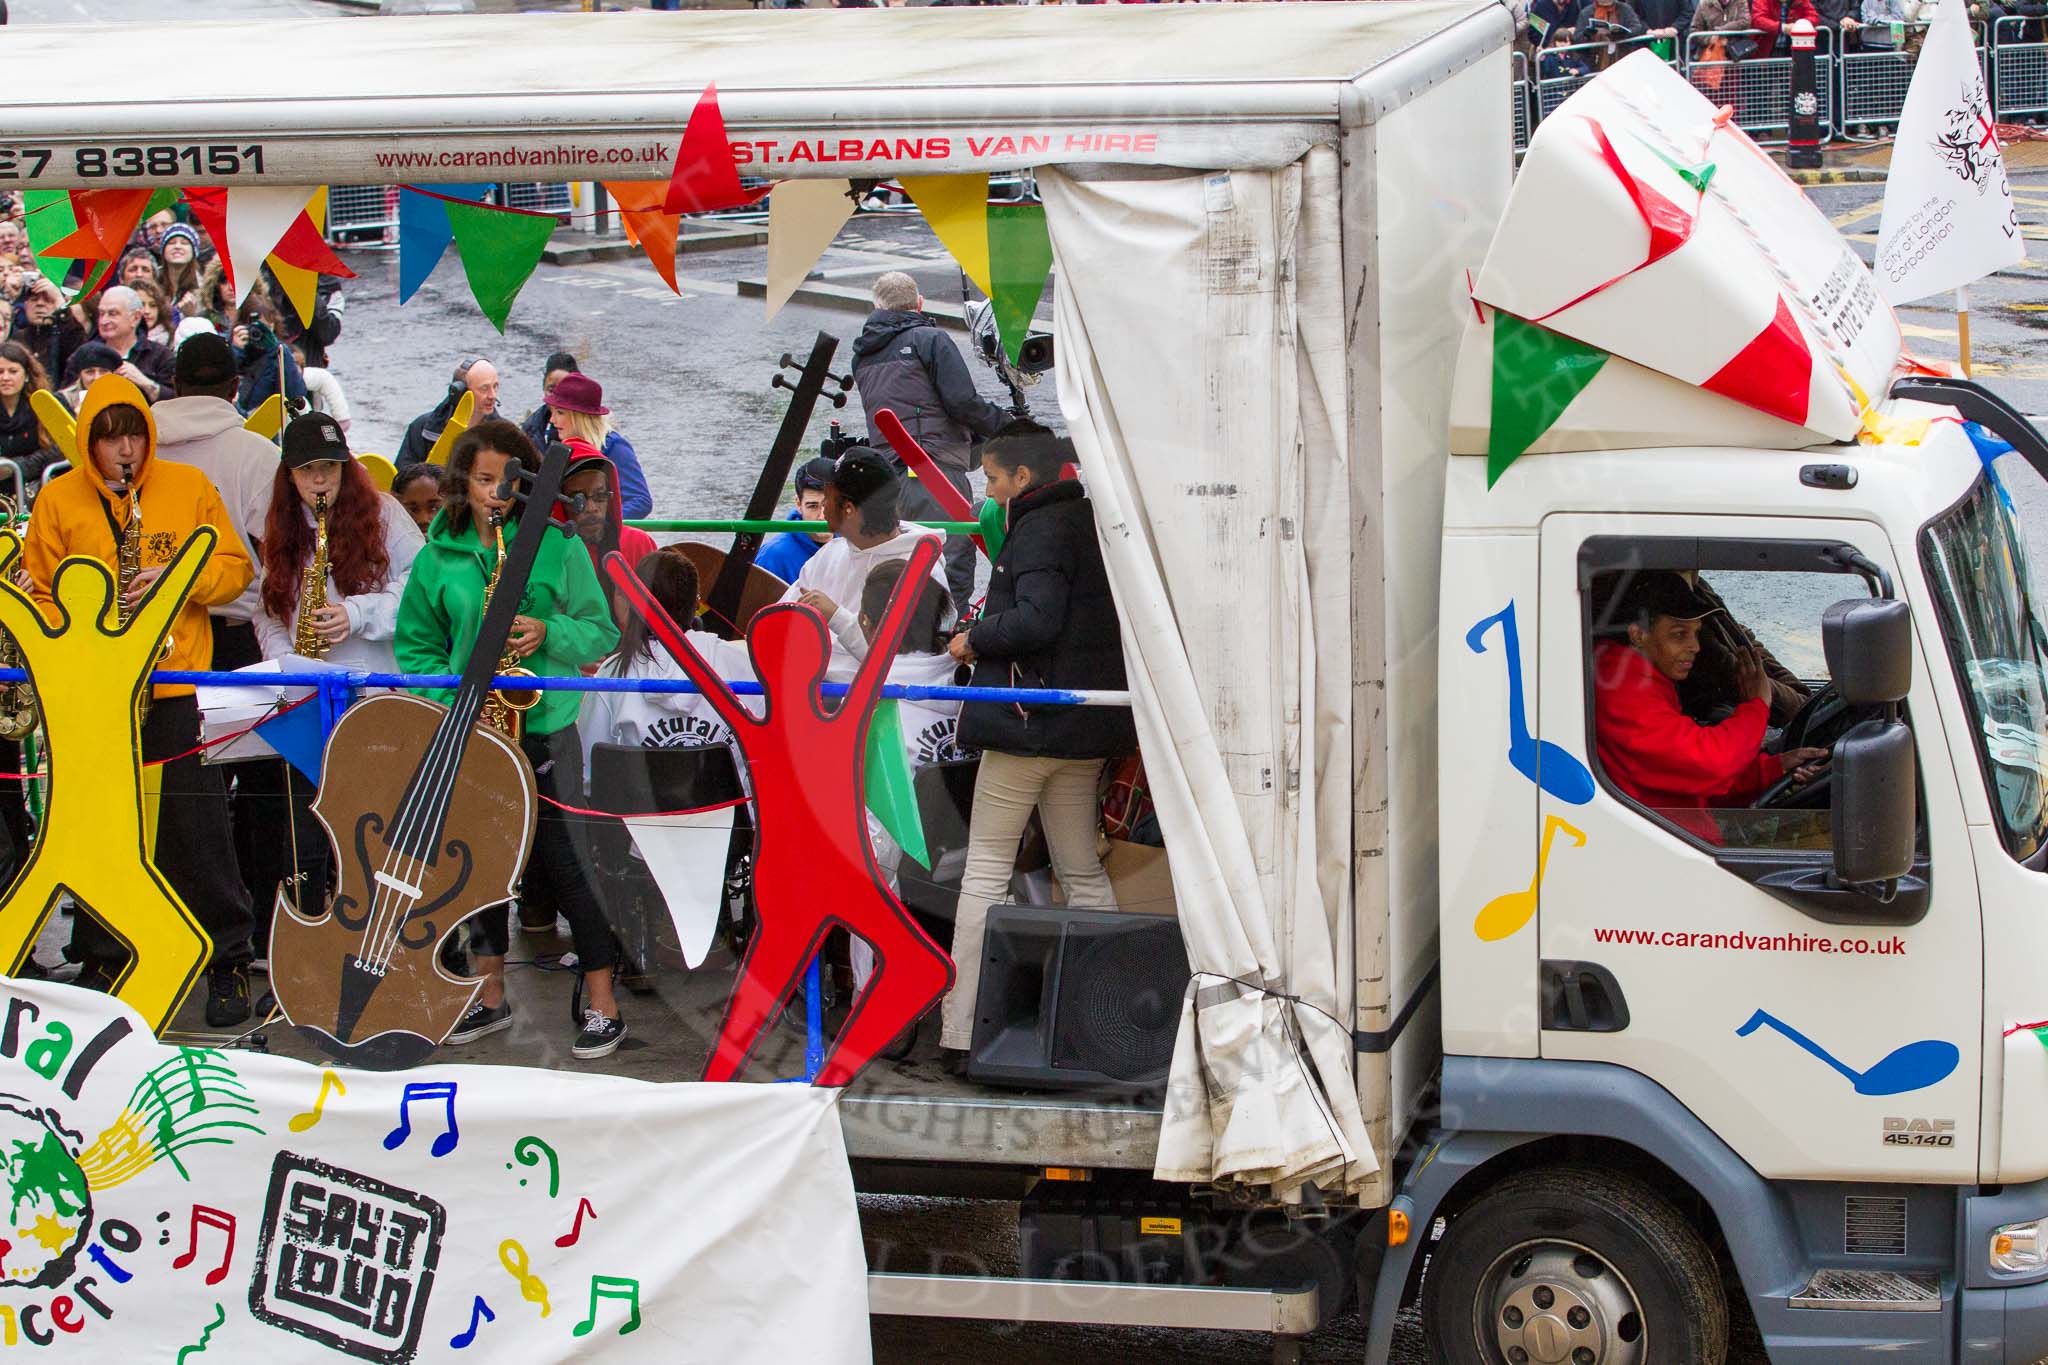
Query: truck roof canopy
(1209,87)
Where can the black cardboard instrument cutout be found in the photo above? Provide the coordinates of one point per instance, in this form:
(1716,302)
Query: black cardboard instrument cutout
(431,816)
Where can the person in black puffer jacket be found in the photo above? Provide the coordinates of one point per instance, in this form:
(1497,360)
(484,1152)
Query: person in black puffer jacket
(1049,621)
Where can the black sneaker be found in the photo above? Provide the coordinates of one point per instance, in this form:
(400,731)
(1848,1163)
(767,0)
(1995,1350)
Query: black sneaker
(480,1021)
(227,997)
(600,1037)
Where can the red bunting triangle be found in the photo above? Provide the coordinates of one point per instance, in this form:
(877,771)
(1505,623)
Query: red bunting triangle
(304,247)
(106,220)
(640,204)
(705,177)
(209,204)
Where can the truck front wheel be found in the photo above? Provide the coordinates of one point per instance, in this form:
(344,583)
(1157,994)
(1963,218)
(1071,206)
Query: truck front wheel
(1573,1265)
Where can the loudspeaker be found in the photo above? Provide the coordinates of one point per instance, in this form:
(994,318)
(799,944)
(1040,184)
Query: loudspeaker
(1077,999)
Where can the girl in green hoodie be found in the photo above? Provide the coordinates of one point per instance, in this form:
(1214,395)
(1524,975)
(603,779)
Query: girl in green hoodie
(564,623)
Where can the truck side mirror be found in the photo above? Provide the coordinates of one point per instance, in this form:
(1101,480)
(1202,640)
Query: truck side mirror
(1869,646)
(1874,799)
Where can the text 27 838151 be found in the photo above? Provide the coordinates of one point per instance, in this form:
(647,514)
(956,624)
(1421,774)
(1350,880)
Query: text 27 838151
(156,161)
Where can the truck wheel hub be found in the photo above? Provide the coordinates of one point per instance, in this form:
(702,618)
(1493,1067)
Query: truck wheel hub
(1554,1303)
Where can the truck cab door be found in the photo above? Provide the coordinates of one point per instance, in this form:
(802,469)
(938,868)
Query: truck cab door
(1821,1035)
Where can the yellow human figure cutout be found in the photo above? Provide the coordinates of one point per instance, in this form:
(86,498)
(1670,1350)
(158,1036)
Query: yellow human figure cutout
(89,672)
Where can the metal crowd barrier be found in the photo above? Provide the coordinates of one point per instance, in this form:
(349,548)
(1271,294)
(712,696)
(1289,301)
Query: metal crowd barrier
(355,211)
(1759,86)
(2019,67)
(554,197)
(1874,81)
(1562,70)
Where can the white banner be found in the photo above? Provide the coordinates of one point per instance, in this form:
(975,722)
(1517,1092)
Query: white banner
(237,1206)
(1948,210)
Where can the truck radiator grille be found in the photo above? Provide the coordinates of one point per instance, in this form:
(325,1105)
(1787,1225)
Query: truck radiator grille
(1874,1225)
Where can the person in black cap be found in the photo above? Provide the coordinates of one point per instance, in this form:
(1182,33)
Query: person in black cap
(202,427)
(861,496)
(787,552)
(87,363)
(1647,745)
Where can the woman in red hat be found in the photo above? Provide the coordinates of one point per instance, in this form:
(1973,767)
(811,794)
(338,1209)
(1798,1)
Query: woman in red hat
(577,404)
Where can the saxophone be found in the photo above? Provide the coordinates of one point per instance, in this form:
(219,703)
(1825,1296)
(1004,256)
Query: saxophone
(128,563)
(505,712)
(307,642)
(18,717)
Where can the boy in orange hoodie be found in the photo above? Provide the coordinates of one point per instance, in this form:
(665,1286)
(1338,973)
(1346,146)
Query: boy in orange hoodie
(86,513)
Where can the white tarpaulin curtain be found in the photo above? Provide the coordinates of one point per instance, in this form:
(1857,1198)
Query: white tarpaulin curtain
(1201,370)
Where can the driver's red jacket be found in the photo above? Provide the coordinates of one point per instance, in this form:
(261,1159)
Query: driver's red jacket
(1665,759)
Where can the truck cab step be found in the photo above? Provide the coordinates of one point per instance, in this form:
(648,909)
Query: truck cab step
(1872,1291)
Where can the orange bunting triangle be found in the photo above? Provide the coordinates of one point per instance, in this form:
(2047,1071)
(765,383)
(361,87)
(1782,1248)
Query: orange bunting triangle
(705,177)
(651,227)
(106,220)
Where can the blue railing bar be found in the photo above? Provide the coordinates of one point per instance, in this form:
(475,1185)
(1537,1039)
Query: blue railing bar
(1022,696)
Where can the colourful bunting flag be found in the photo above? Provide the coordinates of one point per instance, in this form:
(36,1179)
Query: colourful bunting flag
(500,248)
(50,220)
(956,209)
(298,737)
(1536,375)
(891,789)
(257,217)
(1019,263)
(423,231)
(705,177)
(995,525)
(651,228)
(803,218)
(106,220)
(303,256)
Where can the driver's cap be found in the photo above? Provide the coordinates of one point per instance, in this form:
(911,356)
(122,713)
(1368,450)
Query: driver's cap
(1652,593)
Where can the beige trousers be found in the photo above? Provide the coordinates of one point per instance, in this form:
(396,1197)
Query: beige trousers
(1008,787)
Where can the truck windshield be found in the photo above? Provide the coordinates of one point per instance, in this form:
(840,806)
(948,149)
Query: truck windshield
(1977,564)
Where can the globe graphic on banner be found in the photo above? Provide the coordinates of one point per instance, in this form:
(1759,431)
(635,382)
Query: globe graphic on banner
(48,1206)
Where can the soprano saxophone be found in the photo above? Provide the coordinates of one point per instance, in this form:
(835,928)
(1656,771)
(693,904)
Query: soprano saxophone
(505,711)
(307,642)
(127,565)
(18,715)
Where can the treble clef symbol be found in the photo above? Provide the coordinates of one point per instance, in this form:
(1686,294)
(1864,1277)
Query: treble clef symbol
(512,1256)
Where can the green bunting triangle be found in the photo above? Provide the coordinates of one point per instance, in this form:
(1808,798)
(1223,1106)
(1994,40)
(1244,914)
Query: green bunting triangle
(51,219)
(1536,375)
(1019,261)
(2041,1036)
(500,248)
(891,791)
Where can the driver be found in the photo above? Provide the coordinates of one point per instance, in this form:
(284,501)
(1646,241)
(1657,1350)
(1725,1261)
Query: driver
(1648,746)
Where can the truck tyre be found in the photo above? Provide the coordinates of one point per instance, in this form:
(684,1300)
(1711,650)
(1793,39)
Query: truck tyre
(1577,1265)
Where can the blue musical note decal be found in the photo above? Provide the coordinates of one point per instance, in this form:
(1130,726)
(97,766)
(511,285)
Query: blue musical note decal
(1544,763)
(1914,1066)
(421,1092)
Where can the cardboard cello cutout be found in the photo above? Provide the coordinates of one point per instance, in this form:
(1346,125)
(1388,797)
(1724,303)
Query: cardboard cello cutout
(431,816)
(88,672)
(814,868)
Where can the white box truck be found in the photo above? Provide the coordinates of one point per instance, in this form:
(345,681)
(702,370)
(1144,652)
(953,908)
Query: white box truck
(1389,465)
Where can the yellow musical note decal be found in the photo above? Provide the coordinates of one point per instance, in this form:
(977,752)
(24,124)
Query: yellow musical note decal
(1505,914)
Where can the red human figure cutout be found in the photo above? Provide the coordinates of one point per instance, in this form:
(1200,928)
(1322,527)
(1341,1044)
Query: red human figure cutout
(814,868)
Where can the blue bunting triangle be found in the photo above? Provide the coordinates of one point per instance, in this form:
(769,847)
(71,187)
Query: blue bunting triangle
(424,232)
(298,736)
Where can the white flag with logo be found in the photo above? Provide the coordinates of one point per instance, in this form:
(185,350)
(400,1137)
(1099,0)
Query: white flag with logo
(1948,210)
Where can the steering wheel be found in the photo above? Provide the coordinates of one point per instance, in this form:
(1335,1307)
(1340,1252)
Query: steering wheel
(1821,709)
(1775,794)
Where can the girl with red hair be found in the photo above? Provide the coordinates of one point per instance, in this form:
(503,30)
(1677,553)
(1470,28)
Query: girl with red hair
(371,542)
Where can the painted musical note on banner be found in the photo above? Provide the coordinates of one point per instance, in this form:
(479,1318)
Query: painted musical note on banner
(479,1313)
(1913,1066)
(328,1081)
(212,1218)
(568,1239)
(1505,914)
(528,1151)
(1544,763)
(612,1287)
(424,1091)
(532,1288)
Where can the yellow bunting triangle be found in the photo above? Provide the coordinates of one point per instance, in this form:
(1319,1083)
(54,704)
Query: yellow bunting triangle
(257,218)
(301,285)
(956,207)
(803,218)
(268,419)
